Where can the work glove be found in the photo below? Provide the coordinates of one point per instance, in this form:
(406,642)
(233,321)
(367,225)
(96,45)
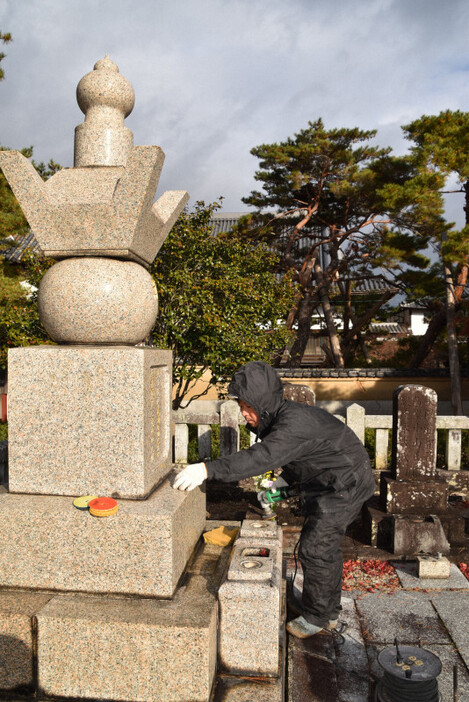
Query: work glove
(190,477)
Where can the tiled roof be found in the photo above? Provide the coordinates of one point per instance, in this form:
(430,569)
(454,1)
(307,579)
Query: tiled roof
(27,241)
(367,372)
(221,223)
(387,328)
(224,222)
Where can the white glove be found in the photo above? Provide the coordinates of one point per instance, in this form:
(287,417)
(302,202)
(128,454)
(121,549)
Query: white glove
(190,477)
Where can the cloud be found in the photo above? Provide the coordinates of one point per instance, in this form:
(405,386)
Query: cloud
(214,78)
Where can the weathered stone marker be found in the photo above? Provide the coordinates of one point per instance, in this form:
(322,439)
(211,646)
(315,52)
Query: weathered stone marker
(414,424)
(414,495)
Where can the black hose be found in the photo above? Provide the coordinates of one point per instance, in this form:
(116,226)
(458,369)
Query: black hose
(392,689)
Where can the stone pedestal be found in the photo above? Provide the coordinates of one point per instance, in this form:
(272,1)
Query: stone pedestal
(17,614)
(251,622)
(140,650)
(415,534)
(107,647)
(89,420)
(413,495)
(433,567)
(141,550)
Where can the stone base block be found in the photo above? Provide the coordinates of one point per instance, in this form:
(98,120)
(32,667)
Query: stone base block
(245,690)
(88,420)
(380,528)
(251,608)
(260,531)
(137,650)
(142,549)
(433,567)
(413,497)
(414,534)
(17,610)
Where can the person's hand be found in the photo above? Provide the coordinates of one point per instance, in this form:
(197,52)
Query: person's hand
(190,477)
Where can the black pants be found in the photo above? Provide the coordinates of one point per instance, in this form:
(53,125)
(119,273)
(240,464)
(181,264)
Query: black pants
(320,549)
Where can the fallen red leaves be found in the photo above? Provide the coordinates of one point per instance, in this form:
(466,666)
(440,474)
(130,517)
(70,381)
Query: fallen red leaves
(370,576)
(464,568)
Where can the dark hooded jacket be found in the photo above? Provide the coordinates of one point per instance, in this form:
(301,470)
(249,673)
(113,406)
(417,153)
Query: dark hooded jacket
(315,449)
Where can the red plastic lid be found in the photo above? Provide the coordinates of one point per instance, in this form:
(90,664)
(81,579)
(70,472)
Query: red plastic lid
(103,503)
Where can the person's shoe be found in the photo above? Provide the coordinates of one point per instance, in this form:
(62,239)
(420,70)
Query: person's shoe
(295,610)
(302,629)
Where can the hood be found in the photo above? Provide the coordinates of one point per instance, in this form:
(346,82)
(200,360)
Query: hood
(258,384)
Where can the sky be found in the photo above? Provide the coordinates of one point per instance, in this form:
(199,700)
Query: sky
(214,78)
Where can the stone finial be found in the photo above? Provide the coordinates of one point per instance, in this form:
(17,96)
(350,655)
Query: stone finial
(106,98)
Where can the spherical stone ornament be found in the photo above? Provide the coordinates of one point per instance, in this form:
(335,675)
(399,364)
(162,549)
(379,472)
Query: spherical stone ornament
(104,86)
(97,301)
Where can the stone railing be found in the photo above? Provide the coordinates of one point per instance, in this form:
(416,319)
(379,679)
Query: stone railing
(227,415)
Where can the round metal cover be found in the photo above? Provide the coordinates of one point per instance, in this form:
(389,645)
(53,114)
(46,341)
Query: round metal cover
(423,664)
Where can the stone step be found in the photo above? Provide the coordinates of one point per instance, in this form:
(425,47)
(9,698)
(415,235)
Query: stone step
(48,544)
(101,647)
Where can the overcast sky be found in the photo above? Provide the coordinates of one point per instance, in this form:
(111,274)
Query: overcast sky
(213,78)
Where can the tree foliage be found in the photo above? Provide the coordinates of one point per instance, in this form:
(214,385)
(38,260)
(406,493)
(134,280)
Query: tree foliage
(439,149)
(5,37)
(19,316)
(327,205)
(220,304)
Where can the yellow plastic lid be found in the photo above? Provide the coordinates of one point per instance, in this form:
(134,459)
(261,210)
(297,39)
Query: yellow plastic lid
(83,501)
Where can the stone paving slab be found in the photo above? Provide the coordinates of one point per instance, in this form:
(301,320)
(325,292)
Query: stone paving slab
(312,673)
(449,658)
(409,616)
(330,666)
(352,661)
(453,609)
(407,574)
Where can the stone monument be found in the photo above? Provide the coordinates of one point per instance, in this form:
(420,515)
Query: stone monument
(92,415)
(124,607)
(413,496)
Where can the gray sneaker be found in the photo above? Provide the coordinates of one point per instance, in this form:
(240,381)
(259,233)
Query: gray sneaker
(302,629)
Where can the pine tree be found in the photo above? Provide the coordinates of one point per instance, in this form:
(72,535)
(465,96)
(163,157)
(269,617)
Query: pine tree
(327,191)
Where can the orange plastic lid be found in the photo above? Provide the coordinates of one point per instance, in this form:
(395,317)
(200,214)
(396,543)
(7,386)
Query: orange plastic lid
(102,503)
(103,513)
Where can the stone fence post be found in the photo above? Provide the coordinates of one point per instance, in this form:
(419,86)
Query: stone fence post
(356,420)
(229,428)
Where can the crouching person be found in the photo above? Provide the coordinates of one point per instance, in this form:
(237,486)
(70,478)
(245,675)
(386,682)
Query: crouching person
(322,457)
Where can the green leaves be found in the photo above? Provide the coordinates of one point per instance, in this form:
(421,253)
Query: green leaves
(5,38)
(441,142)
(220,302)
